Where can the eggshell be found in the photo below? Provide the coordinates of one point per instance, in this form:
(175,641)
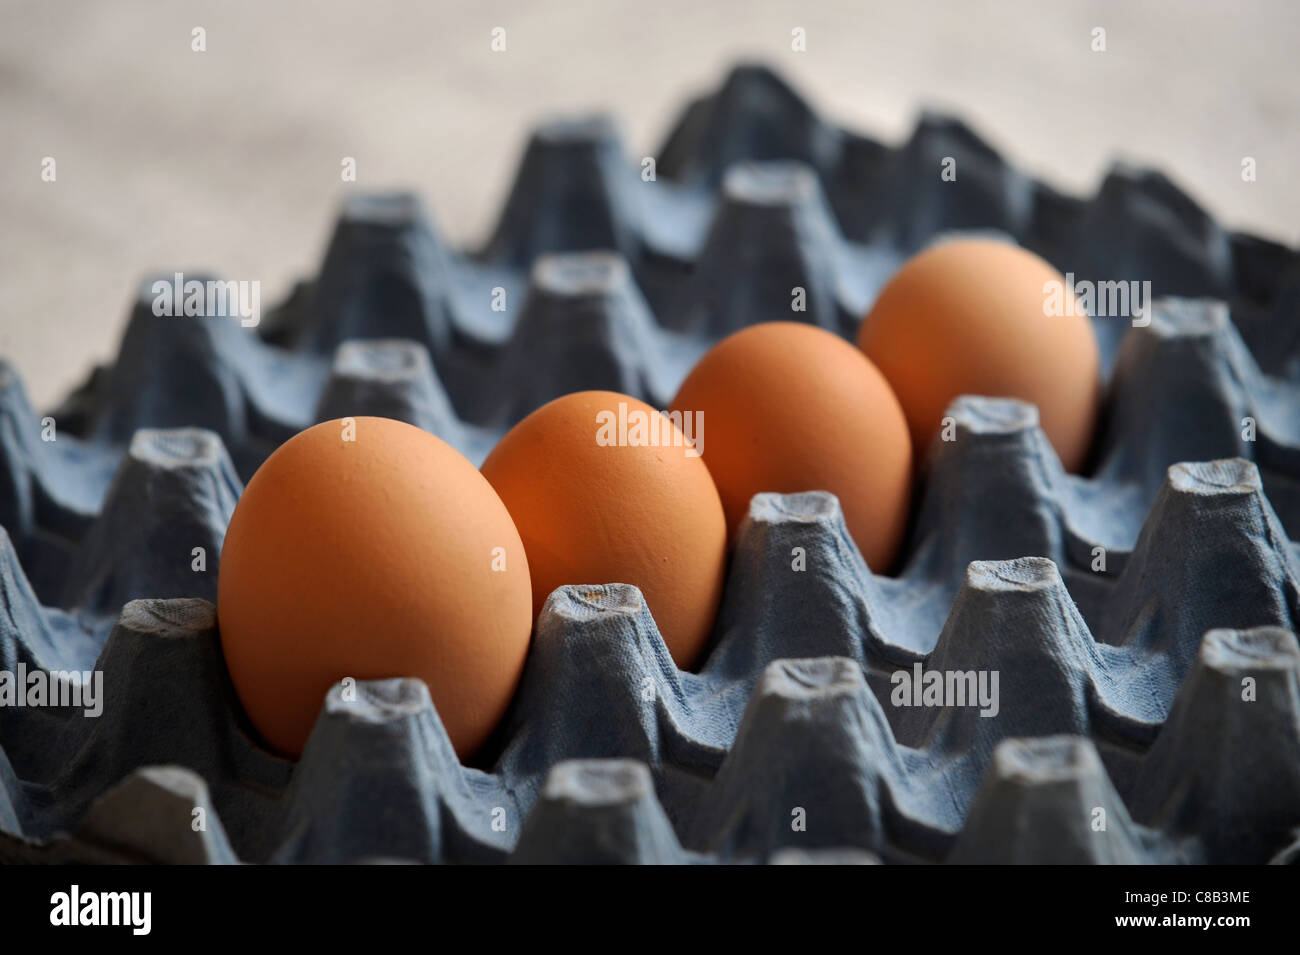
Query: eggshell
(790,407)
(591,512)
(383,556)
(969,316)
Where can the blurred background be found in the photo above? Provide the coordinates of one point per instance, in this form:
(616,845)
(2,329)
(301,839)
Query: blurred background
(228,160)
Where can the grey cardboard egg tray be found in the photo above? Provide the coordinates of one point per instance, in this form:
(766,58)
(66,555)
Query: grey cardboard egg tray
(1140,619)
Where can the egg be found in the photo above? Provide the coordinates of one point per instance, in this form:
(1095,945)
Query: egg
(789,407)
(972,316)
(605,489)
(368,548)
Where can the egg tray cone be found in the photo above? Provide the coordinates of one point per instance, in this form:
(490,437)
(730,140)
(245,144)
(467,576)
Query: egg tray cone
(1124,611)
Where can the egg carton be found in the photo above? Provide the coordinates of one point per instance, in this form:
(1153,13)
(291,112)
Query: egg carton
(1121,609)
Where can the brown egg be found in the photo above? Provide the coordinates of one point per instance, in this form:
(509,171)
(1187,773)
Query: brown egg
(386,555)
(970,316)
(604,489)
(790,407)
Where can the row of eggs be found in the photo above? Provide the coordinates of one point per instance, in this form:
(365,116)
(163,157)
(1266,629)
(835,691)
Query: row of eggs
(370,548)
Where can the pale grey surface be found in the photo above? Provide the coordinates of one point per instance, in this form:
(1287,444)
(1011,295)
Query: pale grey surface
(229,160)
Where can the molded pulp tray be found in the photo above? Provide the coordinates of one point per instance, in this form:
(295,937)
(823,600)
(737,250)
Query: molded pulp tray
(1149,709)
